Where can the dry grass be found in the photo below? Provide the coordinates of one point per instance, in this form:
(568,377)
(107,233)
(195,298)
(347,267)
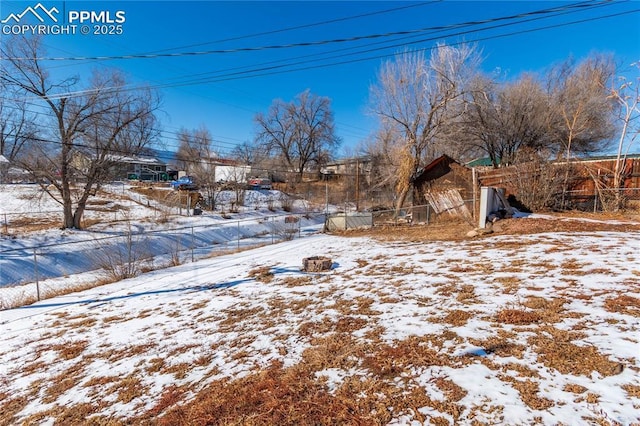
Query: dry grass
(296,281)
(129,388)
(62,383)
(623,304)
(382,379)
(171,397)
(633,391)
(33,224)
(10,406)
(528,390)
(272,396)
(501,345)
(262,274)
(574,388)
(46,293)
(457,317)
(509,284)
(69,350)
(298,396)
(518,317)
(559,353)
(455,230)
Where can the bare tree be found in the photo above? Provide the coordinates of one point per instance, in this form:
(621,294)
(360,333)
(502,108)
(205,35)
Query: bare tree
(627,97)
(301,132)
(414,100)
(582,113)
(90,128)
(195,149)
(502,119)
(536,180)
(196,156)
(184,154)
(381,149)
(247,153)
(17,129)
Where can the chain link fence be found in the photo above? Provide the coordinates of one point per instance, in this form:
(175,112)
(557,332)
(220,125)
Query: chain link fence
(132,252)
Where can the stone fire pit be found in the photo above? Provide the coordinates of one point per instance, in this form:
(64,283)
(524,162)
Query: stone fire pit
(316,264)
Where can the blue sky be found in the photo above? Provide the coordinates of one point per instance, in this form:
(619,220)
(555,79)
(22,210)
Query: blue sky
(202,86)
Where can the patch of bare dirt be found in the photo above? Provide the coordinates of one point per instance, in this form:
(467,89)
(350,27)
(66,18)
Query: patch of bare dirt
(567,223)
(455,230)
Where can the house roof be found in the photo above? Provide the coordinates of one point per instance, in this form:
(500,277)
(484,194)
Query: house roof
(480,162)
(435,163)
(436,169)
(486,161)
(350,160)
(3,159)
(218,161)
(608,157)
(136,159)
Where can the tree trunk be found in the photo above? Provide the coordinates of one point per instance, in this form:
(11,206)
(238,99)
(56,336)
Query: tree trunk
(565,184)
(81,207)
(77,218)
(67,204)
(618,179)
(67,207)
(402,196)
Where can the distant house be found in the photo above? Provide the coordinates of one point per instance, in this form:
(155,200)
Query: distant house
(121,167)
(482,162)
(350,167)
(230,170)
(219,170)
(140,168)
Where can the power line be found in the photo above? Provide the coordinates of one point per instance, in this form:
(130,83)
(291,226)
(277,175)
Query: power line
(233,75)
(269,70)
(342,19)
(585,4)
(277,69)
(298,27)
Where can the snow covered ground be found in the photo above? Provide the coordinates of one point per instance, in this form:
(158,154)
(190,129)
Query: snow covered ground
(504,329)
(156,233)
(540,329)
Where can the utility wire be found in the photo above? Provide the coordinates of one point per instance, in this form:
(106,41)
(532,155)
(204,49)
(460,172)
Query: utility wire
(226,77)
(298,27)
(318,42)
(269,70)
(369,58)
(347,49)
(239,75)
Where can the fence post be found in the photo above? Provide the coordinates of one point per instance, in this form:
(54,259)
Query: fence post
(238,235)
(35,271)
(192,245)
(272,228)
(6,225)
